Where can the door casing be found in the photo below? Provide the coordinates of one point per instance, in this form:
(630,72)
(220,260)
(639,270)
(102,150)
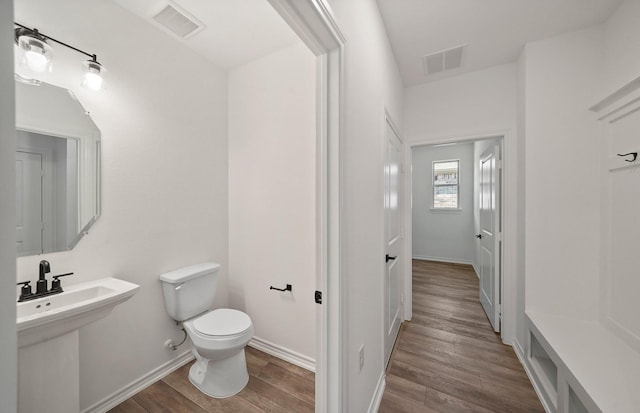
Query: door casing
(313,21)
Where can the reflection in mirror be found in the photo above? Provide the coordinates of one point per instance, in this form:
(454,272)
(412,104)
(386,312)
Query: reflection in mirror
(57,169)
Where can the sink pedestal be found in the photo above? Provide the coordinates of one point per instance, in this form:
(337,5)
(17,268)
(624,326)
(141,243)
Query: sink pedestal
(48,342)
(48,376)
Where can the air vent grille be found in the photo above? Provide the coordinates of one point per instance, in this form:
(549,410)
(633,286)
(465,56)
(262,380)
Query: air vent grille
(448,59)
(178,21)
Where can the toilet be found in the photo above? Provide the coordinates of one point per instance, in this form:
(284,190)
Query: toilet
(218,336)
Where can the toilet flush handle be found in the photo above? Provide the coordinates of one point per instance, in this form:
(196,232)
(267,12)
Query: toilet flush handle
(178,287)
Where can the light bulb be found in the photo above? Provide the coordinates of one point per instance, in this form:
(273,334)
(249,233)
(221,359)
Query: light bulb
(36,61)
(37,53)
(94,75)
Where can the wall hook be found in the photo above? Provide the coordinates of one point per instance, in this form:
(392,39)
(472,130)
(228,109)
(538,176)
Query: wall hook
(634,154)
(287,288)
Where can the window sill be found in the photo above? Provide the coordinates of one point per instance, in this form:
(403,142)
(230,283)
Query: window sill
(445,210)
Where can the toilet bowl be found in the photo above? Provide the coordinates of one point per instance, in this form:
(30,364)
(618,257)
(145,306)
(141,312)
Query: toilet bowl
(218,336)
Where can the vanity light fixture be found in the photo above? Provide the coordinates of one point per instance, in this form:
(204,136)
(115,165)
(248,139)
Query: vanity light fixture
(37,56)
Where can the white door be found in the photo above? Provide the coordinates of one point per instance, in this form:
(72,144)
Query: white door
(28,203)
(393,239)
(489,236)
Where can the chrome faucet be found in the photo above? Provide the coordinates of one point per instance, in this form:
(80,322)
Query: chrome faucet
(42,288)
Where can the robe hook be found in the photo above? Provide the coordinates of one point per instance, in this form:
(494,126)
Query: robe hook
(634,154)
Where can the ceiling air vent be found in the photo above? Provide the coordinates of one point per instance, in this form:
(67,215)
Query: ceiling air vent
(443,60)
(178,21)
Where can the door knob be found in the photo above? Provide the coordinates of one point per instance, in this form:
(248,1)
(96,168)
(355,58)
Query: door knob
(389,258)
(479,236)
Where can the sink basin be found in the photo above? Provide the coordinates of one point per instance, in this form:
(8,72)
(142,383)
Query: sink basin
(52,316)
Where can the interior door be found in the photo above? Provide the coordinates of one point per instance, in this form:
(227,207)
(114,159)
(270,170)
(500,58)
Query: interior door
(393,239)
(489,236)
(28,203)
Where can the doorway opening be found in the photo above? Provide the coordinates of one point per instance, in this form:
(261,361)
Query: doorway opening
(456,215)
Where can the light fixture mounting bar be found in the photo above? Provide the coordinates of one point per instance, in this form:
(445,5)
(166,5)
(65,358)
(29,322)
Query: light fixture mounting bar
(36,32)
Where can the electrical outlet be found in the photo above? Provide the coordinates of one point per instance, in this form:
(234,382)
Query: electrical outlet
(361,356)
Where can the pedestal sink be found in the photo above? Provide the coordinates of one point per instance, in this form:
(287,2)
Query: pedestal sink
(48,344)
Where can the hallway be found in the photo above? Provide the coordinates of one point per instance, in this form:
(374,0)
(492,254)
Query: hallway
(447,359)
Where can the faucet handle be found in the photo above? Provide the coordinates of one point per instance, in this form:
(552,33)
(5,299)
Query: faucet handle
(25,291)
(55,284)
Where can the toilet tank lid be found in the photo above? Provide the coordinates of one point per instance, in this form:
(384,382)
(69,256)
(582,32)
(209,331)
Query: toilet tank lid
(186,273)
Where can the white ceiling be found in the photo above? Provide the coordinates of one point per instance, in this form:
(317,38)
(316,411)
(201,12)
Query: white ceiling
(493,30)
(236,31)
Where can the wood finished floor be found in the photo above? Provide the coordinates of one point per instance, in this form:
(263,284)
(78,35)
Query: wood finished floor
(447,359)
(274,386)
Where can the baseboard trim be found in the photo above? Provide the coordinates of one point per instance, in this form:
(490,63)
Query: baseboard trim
(377,396)
(283,353)
(440,259)
(522,358)
(137,385)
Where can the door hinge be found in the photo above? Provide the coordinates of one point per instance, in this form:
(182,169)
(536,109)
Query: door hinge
(318,297)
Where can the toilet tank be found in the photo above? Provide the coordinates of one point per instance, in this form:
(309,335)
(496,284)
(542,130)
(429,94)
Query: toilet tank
(189,291)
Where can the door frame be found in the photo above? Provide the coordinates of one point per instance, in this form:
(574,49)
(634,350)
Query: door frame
(313,21)
(509,257)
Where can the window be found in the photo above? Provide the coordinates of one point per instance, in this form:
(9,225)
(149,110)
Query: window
(445,184)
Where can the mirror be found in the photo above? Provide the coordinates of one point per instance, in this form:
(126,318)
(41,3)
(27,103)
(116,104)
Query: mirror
(57,169)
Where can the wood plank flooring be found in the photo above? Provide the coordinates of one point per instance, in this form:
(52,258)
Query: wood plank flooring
(447,359)
(274,386)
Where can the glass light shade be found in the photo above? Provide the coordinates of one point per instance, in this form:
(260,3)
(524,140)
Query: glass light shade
(37,53)
(93,75)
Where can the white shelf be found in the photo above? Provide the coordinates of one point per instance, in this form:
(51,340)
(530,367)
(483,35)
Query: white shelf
(620,103)
(592,360)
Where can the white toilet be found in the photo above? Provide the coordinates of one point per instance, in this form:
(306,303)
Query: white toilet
(218,336)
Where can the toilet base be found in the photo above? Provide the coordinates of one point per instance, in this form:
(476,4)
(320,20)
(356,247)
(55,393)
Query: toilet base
(220,378)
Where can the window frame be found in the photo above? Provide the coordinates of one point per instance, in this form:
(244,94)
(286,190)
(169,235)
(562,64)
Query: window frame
(434,186)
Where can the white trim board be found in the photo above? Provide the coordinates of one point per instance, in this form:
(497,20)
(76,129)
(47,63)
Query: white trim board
(283,353)
(377,395)
(139,384)
(442,259)
(522,358)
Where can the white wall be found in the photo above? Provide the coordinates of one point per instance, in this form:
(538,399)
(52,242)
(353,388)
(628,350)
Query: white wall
(8,355)
(622,42)
(620,282)
(440,234)
(272,234)
(371,84)
(163,120)
(476,103)
(562,174)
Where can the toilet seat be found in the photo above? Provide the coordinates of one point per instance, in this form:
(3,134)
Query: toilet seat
(223,322)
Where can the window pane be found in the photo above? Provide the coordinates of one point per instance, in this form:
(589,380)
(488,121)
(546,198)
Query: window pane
(445,173)
(445,184)
(445,196)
